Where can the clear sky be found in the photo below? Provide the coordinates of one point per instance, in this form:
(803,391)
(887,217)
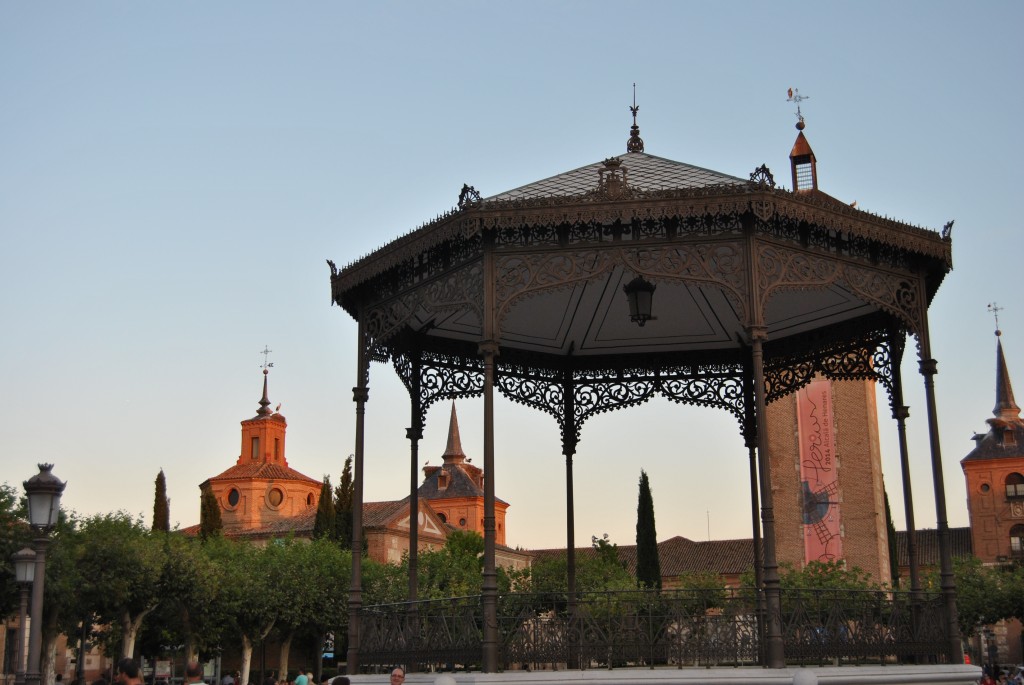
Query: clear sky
(174,175)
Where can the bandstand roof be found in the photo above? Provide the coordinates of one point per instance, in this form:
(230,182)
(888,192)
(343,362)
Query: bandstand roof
(540,269)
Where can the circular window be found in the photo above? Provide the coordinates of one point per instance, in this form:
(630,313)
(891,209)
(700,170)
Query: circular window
(275,497)
(444,519)
(462,522)
(233,497)
(985,487)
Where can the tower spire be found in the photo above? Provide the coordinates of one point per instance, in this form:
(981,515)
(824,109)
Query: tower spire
(635,142)
(264,409)
(1006,408)
(453,452)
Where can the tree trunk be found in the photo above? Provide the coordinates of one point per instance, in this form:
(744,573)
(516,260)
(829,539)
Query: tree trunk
(246,660)
(49,659)
(286,648)
(319,656)
(131,629)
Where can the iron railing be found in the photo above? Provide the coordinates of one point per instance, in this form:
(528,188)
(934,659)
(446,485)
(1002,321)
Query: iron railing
(655,628)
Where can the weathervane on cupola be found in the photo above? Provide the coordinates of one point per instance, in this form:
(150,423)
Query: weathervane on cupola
(801,157)
(264,409)
(635,142)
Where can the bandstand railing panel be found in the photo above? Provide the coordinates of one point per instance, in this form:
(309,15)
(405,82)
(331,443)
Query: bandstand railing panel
(647,629)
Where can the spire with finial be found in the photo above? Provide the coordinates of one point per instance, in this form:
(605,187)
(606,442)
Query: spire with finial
(264,409)
(1006,409)
(453,453)
(801,157)
(635,142)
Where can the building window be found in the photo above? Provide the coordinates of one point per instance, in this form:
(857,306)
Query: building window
(462,522)
(309,499)
(275,497)
(255,449)
(277,449)
(444,519)
(1015,486)
(985,487)
(1017,541)
(233,497)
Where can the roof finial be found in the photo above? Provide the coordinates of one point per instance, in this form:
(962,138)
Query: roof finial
(795,96)
(264,409)
(635,142)
(995,309)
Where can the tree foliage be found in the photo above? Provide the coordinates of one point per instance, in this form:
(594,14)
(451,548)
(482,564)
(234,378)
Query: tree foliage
(343,497)
(14,535)
(121,564)
(161,505)
(325,525)
(648,565)
(210,523)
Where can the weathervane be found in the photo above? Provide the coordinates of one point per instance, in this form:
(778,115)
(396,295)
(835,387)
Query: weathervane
(266,355)
(795,96)
(635,142)
(995,309)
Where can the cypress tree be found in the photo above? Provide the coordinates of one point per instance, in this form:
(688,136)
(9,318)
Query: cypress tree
(648,566)
(210,523)
(161,505)
(343,496)
(325,525)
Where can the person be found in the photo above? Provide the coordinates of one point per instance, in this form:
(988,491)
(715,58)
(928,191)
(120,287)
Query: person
(340,680)
(228,679)
(301,679)
(397,675)
(193,672)
(127,672)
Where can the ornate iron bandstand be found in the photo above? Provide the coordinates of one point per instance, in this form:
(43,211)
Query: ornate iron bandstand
(599,288)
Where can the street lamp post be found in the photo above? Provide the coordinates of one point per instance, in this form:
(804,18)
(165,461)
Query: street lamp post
(43,490)
(24,571)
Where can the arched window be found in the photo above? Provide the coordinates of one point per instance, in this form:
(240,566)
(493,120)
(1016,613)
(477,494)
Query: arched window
(1017,540)
(1015,486)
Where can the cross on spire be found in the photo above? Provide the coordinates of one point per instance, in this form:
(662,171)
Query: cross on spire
(995,309)
(266,356)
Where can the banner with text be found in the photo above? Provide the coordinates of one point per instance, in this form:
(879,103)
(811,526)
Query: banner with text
(819,477)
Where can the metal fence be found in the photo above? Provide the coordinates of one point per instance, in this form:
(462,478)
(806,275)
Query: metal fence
(655,628)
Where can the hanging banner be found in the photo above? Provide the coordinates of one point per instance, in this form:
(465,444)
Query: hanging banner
(819,477)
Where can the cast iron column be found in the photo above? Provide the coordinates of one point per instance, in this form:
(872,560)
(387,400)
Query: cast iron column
(489,350)
(901,413)
(19,664)
(774,654)
(360,395)
(929,367)
(33,670)
(415,434)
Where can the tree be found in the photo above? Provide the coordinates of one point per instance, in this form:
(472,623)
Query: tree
(190,584)
(161,505)
(343,496)
(325,525)
(121,565)
(14,535)
(254,579)
(455,570)
(648,566)
(210,523)
(315,594)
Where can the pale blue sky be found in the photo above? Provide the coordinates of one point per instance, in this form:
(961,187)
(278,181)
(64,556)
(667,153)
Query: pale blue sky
(173,176)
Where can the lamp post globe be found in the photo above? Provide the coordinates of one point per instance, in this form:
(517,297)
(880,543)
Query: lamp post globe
(24,571)
(44,491)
